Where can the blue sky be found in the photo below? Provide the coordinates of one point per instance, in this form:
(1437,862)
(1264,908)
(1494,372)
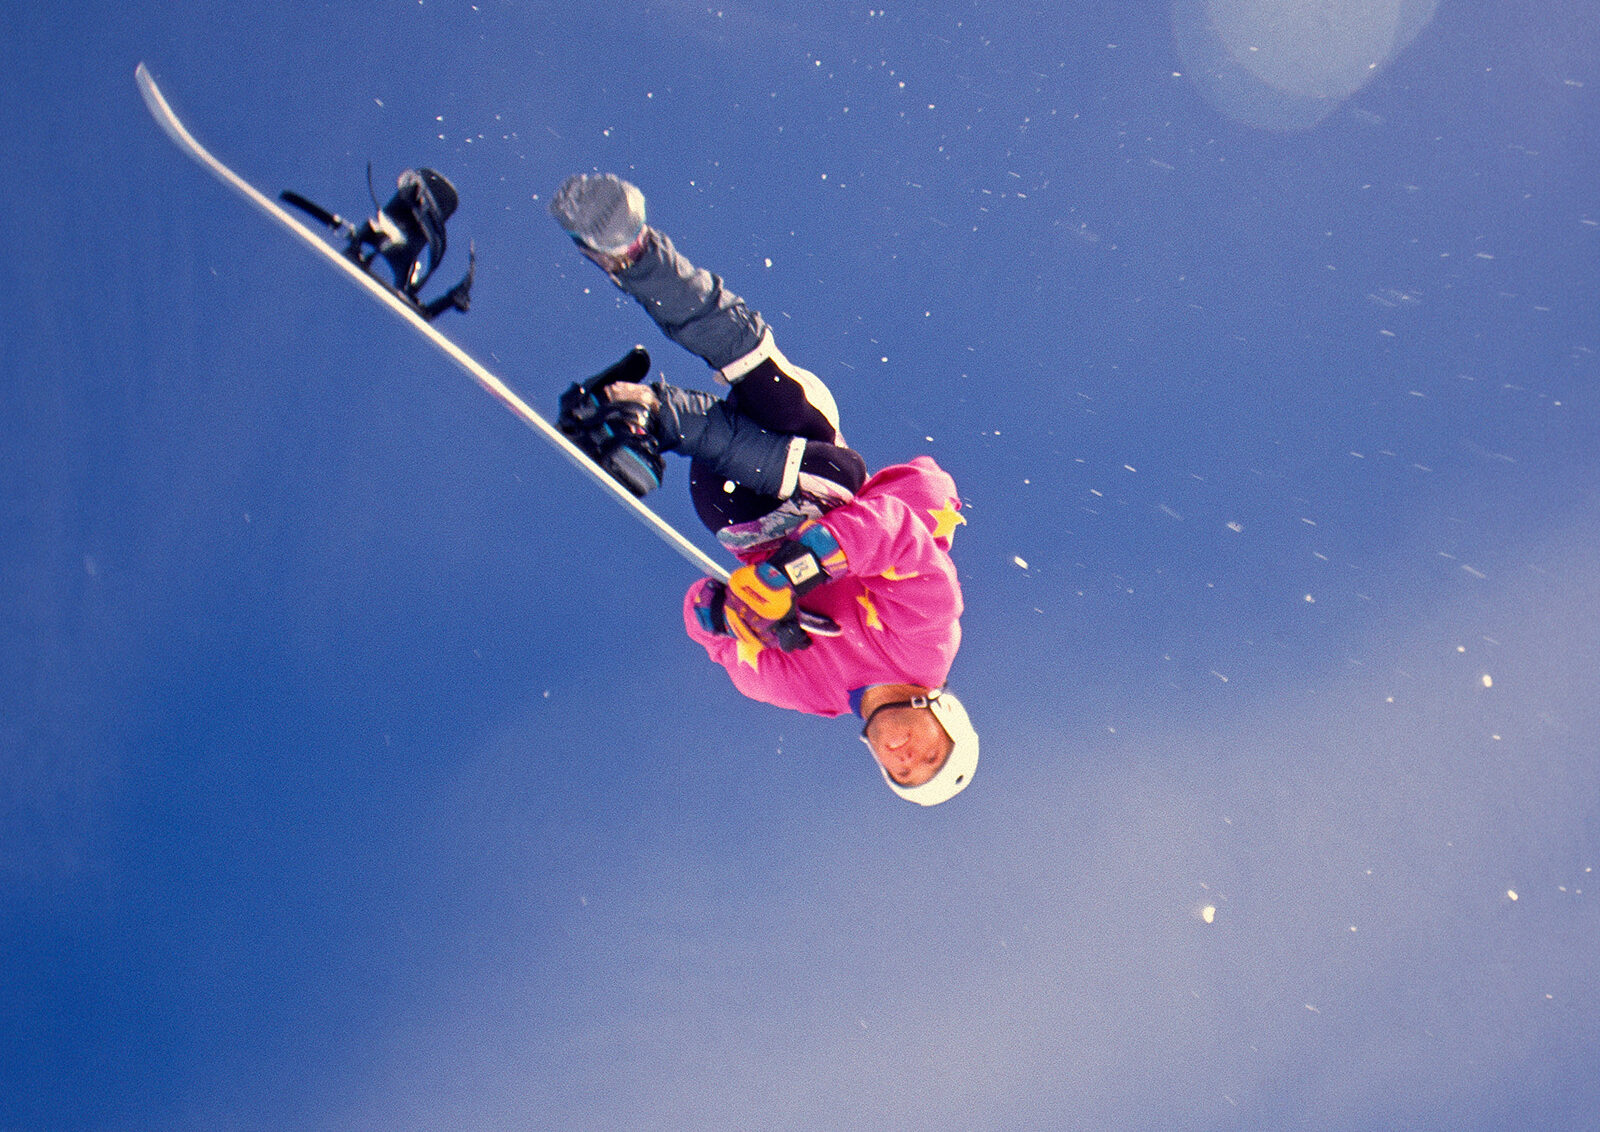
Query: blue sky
(355,771)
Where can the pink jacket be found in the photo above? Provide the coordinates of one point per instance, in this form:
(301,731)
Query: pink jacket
(897,599)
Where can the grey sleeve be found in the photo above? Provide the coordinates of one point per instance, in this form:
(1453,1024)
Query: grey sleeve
(691,305)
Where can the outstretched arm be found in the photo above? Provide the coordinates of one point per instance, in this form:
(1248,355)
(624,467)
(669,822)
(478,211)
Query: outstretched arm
(690,304)
(605,215)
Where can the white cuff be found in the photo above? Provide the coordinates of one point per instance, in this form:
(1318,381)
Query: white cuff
(735,370)
(791,467)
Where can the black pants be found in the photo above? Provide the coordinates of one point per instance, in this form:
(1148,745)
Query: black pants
(777,402)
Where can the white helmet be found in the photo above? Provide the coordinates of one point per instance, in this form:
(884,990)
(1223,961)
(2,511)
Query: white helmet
(962,761)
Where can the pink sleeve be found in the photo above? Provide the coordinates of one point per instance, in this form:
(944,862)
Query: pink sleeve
(879,534)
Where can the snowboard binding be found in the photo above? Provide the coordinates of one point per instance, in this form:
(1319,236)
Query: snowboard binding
(408,234)
(620,436)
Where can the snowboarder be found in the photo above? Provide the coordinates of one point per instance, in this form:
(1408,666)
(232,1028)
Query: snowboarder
(848,599)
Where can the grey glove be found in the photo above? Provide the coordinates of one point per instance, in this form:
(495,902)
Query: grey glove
(603,213)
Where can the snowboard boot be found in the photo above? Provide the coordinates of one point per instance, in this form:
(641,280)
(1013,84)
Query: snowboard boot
(614,419)
(605,217)
(625,426)
(409,227)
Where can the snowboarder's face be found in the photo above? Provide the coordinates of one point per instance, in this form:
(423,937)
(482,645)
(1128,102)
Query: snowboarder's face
(909,743)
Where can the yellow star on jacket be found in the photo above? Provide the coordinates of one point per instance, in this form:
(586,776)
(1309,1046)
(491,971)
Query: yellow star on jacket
(946,519)
(749,646)
(873,620)
(749,651)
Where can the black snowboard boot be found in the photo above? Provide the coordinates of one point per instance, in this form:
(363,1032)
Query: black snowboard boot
(617,427)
